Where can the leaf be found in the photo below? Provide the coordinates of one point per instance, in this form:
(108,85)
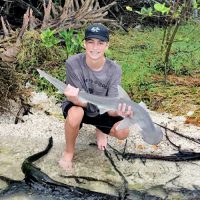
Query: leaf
(195,4)
(143,10)
(129,8)
(150,11)
(161,8)
(48,38)
(147,11)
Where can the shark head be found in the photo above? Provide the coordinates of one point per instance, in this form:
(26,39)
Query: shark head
(151,134)
(155,138)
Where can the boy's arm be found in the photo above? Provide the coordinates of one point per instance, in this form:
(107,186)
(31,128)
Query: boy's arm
(72,95)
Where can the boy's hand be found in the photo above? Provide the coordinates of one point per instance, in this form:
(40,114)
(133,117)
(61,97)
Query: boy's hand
(72,94)
(124,110)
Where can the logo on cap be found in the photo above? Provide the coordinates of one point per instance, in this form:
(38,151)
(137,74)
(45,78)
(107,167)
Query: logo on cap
(95,29)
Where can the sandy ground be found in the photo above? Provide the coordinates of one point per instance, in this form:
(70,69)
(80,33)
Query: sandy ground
(23,139)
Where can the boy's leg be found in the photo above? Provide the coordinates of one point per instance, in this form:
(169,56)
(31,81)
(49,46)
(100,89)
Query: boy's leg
(106,125)
(119,134)
(72,125)
(102,139)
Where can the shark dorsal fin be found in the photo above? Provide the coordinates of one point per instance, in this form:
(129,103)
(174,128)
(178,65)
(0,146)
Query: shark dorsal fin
(122,93)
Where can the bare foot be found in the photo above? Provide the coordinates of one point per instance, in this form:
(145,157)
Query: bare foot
(102,139)
(66,162)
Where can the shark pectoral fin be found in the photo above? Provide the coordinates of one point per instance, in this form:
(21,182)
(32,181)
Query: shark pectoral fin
(125,123)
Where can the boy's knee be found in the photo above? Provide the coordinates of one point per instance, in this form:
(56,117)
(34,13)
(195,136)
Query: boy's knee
(122,134)
(75,116)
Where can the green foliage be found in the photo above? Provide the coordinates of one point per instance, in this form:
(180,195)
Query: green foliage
(44,51)
(176,14)
(148,12)
(140,56)
(135,55)
(196,4)
(145,12)
(108,53)
(50,43)
(161,8)
(34,54)
(48,38)
(73,43)
(186,49)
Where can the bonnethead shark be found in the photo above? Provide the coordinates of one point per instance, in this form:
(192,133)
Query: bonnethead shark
(151,133)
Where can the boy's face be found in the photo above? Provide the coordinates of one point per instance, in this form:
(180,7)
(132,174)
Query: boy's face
(95,48)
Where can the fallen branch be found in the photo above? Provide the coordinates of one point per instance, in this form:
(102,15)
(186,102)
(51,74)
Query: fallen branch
(179,134)
(47,11)
(176,157)
(24,26)
(5,30)
(75,14)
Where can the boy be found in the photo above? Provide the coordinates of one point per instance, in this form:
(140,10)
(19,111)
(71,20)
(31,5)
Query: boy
(93,72)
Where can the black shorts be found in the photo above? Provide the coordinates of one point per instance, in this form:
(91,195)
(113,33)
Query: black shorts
(103,122)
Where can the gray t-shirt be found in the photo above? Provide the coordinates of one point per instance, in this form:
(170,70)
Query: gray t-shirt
(102,83)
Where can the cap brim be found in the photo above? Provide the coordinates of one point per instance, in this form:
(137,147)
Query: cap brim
(97,37)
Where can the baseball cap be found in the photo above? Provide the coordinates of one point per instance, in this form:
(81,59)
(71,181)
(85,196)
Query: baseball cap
(98,31)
